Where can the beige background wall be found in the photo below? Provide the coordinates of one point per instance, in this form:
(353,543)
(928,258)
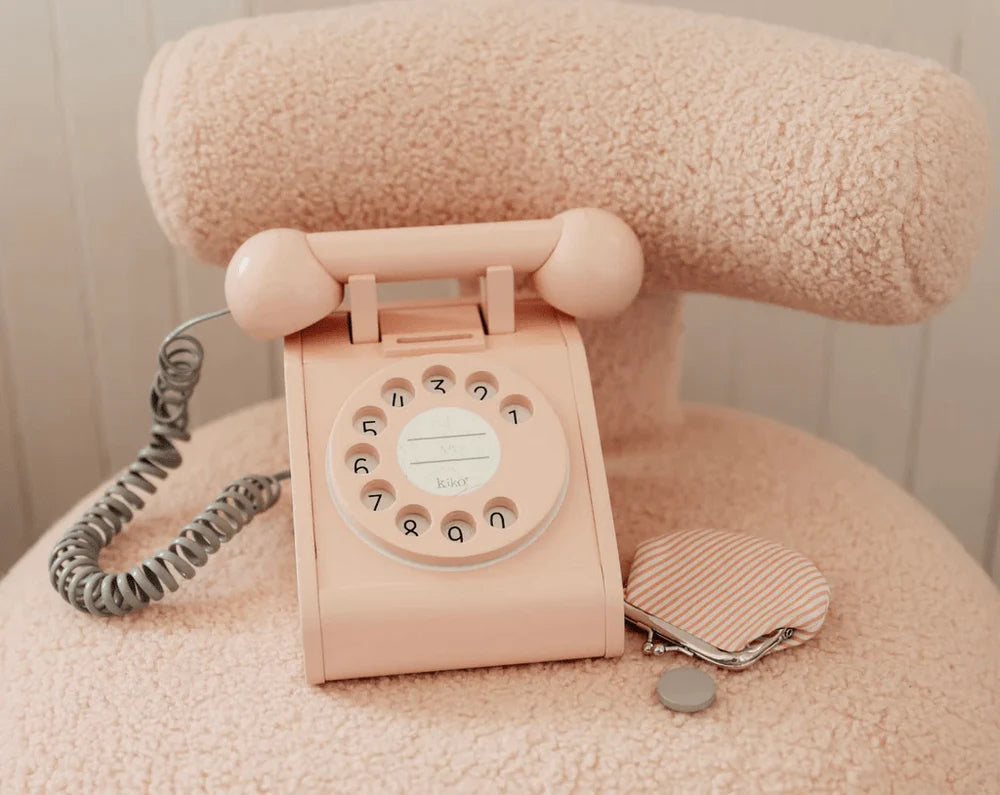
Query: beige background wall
(78,245)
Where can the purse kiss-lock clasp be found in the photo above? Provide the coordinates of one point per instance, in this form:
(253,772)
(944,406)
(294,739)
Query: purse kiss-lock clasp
(676,639)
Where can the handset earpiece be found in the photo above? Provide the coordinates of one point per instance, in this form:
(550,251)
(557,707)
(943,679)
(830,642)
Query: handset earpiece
(595,270)
(585,262)
(275,285)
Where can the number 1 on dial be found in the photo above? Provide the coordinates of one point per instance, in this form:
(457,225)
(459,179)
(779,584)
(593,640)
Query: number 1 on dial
(517,413)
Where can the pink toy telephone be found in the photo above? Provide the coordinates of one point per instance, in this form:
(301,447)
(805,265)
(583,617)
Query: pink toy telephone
(449,497)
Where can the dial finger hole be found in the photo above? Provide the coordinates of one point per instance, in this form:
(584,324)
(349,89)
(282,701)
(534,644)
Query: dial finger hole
(500,513)
(397,393)
(370,421)
(482,386)
(458,527)
(413,520)
(362,459)
(378,495)
(516,409)
(439,380)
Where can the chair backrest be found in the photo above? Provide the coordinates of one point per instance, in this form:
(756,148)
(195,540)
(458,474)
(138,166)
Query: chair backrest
(751,160)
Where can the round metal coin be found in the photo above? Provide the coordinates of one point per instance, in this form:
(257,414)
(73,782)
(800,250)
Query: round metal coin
(686,690)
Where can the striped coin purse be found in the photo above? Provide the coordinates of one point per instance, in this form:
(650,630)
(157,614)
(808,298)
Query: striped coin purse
(725,597)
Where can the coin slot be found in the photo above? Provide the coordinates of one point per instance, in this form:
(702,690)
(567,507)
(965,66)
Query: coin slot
(432,338)
(397,392)
(378,495)
(516,409)
(362,459)
(482,386)
(413,520)
(458,527)
(370,421)
(500,513)
(438,380)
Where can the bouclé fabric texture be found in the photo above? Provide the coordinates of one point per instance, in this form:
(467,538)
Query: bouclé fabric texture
(752,160)
(205,691)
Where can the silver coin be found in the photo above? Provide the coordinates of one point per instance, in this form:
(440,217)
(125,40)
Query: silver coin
(686,690)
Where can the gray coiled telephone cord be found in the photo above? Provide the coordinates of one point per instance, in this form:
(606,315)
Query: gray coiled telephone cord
(74,569)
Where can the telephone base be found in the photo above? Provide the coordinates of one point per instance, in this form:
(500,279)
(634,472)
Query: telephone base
(489,542)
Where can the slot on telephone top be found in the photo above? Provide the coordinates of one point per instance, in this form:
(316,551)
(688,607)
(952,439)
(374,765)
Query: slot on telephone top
(418,338)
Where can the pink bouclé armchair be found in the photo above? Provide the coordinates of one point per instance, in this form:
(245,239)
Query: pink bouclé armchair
(752,161)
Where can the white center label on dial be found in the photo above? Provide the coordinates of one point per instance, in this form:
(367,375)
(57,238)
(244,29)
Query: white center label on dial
(448,451)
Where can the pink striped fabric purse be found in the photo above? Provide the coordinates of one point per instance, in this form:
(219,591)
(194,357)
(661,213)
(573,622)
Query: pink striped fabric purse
(725,597)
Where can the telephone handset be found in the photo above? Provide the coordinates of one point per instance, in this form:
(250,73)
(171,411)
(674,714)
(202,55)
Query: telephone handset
(584,262)
(448,491)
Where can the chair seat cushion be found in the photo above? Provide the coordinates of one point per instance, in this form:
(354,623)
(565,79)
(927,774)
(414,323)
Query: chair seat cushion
(205,690)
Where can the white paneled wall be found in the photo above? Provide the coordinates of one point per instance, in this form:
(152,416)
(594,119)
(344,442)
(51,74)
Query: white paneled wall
(89,286)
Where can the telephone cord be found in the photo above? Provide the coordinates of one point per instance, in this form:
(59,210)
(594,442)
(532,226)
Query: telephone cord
(74,570)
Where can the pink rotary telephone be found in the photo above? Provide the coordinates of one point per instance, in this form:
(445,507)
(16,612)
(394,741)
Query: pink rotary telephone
(448,491)
(450,503)
(449,497)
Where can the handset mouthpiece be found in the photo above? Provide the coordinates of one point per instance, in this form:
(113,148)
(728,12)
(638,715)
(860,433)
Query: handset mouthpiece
(595,270)
(275,285)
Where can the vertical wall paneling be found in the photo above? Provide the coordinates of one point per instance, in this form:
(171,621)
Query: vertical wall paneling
(955,471)
(874,378)
(104,49)
(46,314)
(709,342)
(994,565)
(277,367)
(780,364)
(993,531)
(238,371)
(15,523)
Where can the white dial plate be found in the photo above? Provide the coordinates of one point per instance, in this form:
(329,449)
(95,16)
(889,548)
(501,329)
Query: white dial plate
(448,451)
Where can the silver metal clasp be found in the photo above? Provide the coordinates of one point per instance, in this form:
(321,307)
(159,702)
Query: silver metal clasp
(676,639)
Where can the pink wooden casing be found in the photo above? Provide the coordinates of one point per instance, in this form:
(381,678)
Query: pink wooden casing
(374,601)
(365,613)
